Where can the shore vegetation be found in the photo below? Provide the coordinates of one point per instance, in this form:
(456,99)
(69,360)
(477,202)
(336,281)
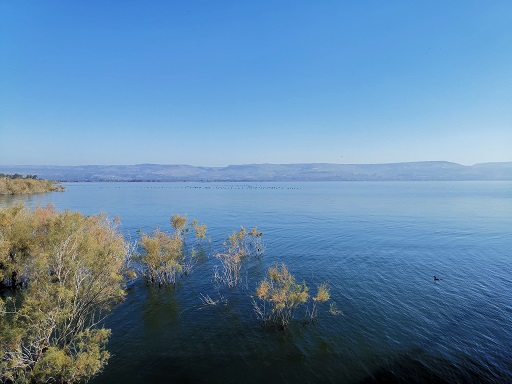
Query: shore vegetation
(17,184)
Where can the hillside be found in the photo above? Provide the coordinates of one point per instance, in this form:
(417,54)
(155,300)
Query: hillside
(432,170)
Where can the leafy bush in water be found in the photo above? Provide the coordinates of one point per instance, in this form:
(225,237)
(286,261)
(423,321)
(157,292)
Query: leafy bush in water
(239,246)
(165,255)
(279,296)
(61,273)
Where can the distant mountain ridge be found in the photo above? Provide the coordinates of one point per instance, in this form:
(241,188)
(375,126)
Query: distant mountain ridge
(427,171)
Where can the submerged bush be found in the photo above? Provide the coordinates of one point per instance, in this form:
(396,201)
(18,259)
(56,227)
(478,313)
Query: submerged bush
(200,230)
(165,255)
(239,246)
(61,273)
(279,296)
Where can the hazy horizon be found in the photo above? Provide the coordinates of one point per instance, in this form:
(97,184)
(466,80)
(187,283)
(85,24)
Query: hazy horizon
(216,84)
(240,164)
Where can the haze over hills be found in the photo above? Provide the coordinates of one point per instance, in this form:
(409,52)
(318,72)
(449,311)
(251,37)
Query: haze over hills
(430,170)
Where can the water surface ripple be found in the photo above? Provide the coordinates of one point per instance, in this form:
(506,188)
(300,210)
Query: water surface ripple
(378,245)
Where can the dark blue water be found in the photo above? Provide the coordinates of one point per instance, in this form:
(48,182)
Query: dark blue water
(377,245)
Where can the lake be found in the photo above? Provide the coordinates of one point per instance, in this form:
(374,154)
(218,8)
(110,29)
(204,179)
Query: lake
(378,246)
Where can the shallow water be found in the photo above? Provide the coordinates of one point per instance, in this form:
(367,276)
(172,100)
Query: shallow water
(377,245)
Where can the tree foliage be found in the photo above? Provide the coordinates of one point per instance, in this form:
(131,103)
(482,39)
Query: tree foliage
(200,231)
(279,296)
(165,255)
(17,176)
(179,224)
(238,247)
(61,273)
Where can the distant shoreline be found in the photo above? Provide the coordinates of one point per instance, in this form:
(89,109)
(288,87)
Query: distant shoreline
(269,181)
(415,171)
(27,186)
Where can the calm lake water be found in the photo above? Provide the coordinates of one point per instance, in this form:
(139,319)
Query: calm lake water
(377,245)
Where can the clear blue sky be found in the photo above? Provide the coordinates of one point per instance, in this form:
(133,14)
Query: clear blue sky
(233,82)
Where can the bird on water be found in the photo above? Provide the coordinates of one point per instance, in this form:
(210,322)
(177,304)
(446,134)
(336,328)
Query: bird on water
(436,278)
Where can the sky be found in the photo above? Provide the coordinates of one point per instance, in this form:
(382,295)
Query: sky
(214,83)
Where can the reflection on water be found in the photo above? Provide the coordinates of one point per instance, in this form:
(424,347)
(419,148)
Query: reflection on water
(378,245)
